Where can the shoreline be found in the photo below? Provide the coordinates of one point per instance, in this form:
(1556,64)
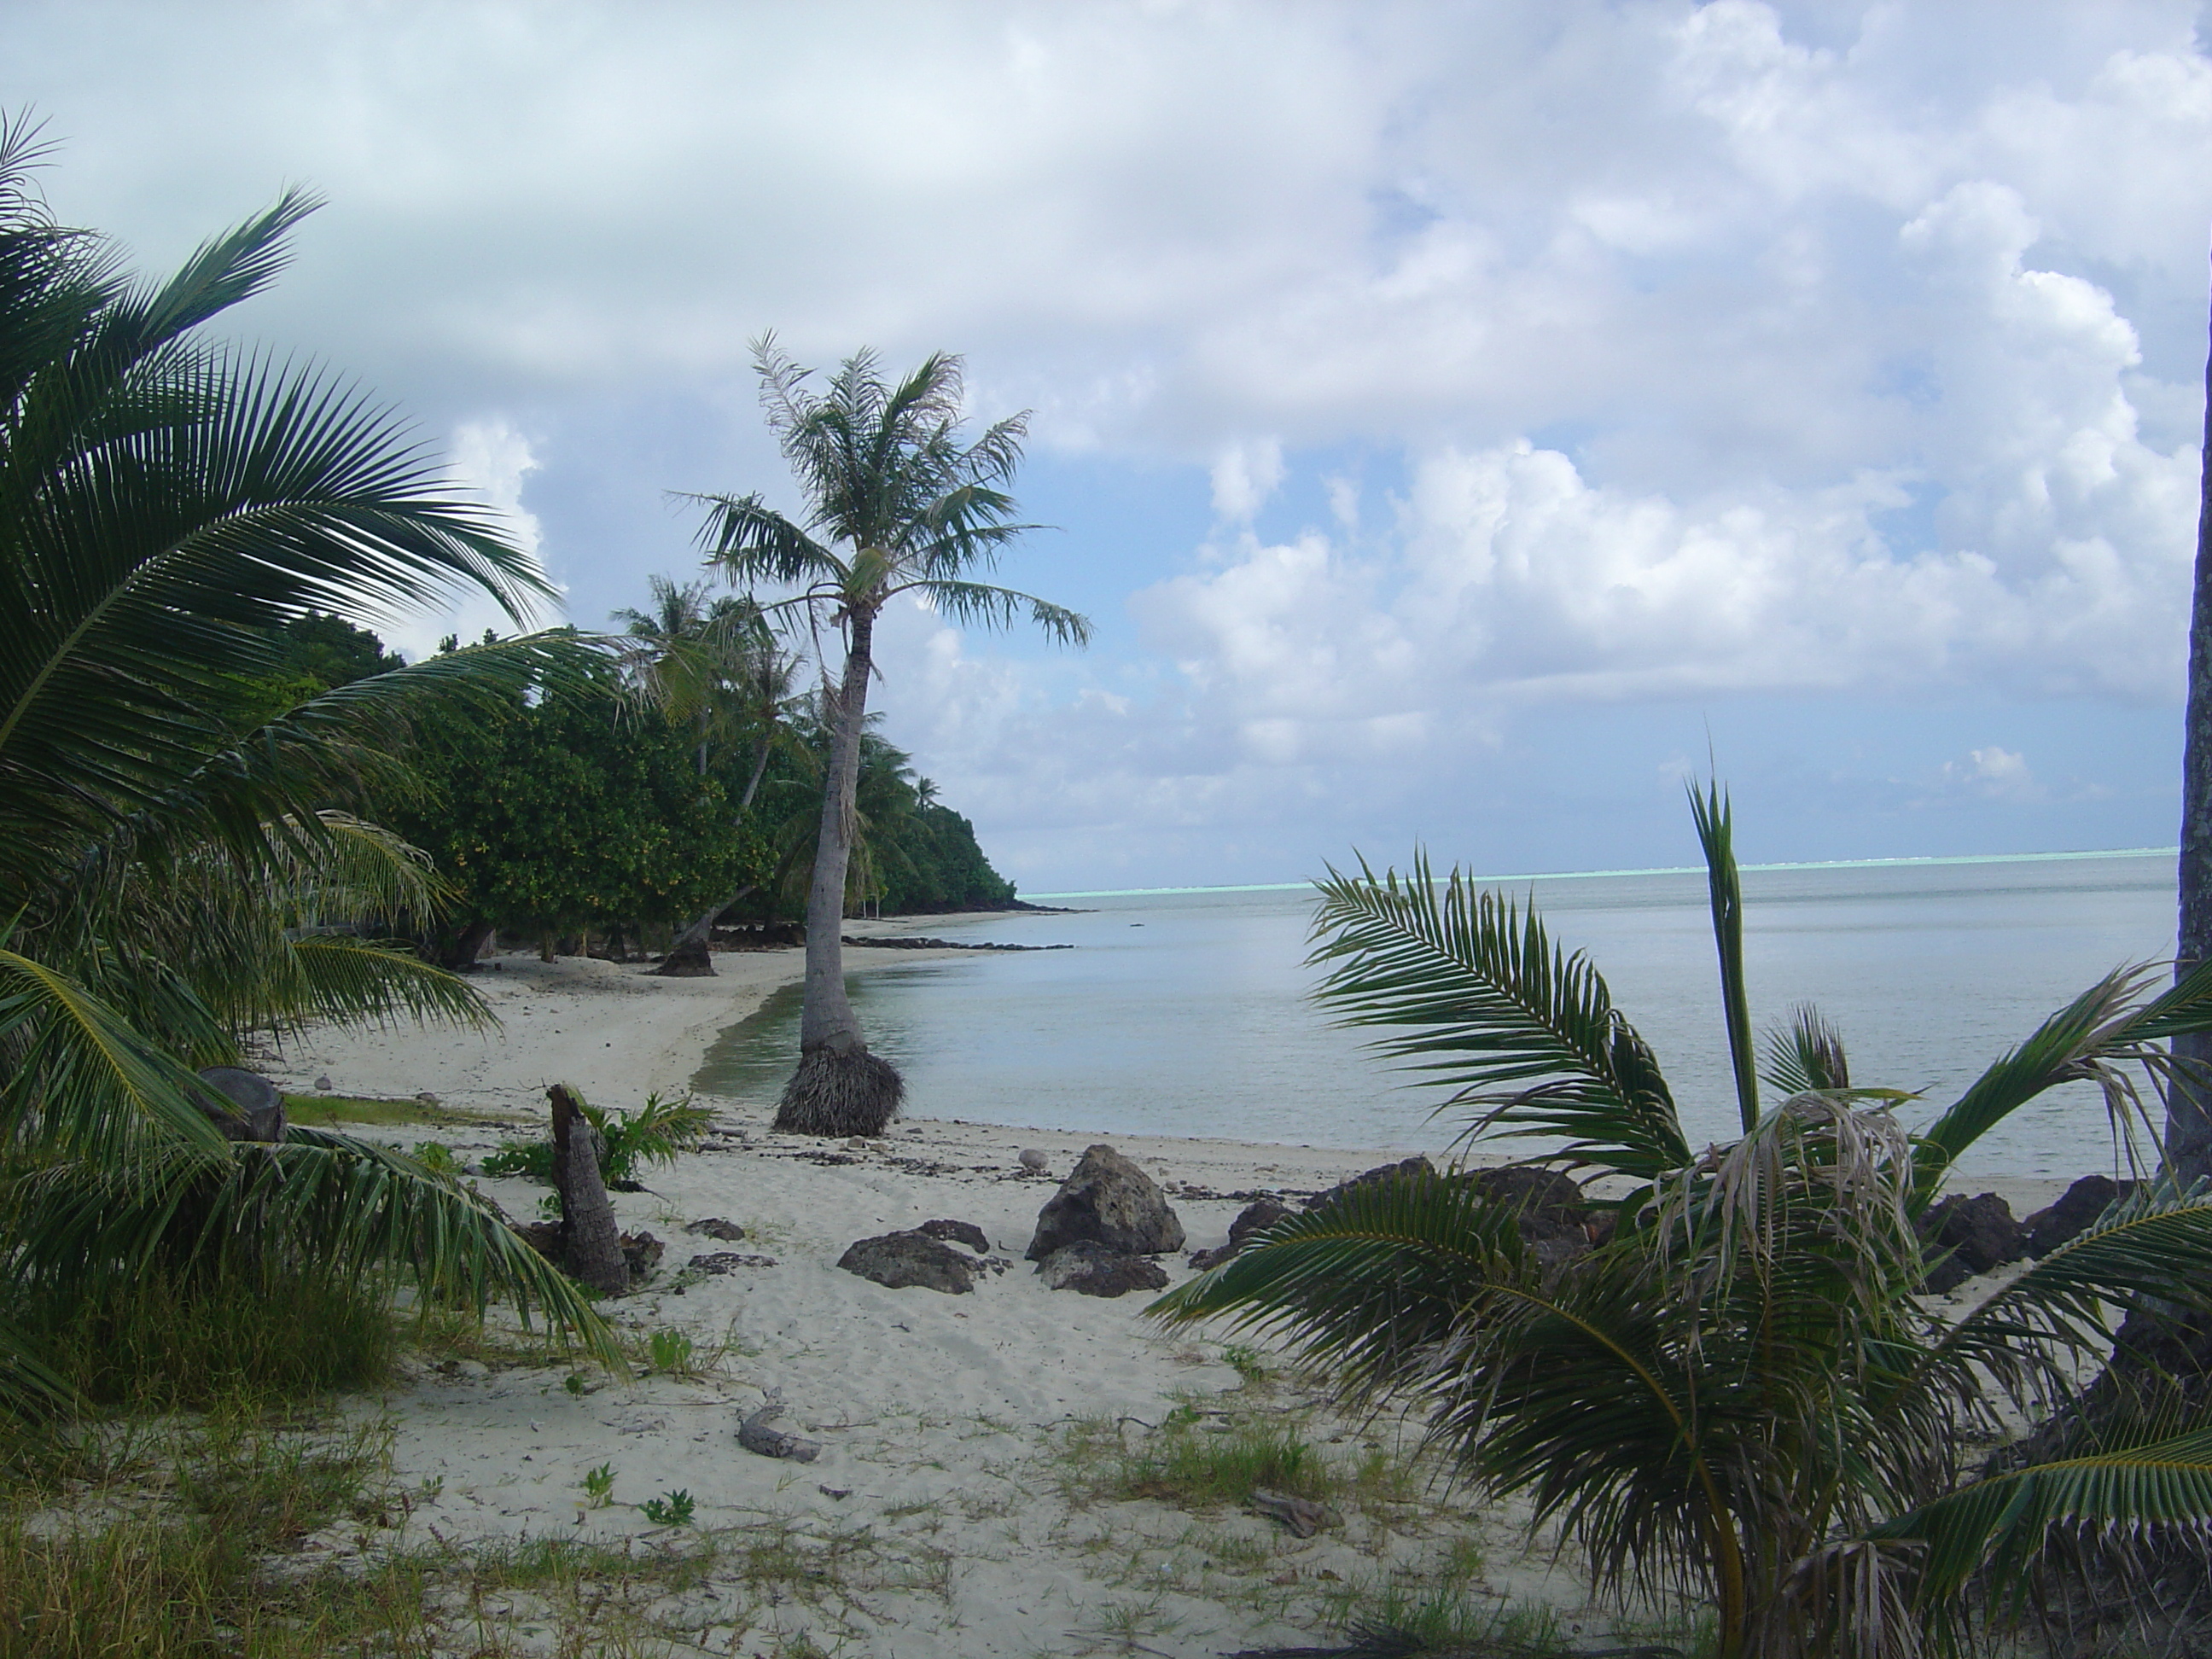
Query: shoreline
(618,1031)
(970,1440)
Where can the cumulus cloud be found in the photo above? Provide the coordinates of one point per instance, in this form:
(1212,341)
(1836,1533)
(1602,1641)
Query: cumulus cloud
(1244,476)
(2000,773)
(1709,350)
(488,460)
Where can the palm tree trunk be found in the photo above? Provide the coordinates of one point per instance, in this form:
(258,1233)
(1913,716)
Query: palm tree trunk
(827,1020)
(2189,1104)
(840,1088)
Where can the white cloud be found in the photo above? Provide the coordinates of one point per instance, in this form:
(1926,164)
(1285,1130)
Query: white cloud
(1998,773)
(1698,350)
(1244,476)
(488,460)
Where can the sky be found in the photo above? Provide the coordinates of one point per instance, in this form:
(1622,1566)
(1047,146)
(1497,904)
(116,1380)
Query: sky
(1463,423)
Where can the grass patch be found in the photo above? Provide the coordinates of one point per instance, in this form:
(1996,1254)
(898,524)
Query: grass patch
(191,1553)
(165,1341)
(337,1111)
(176,1573)
(1193,1462)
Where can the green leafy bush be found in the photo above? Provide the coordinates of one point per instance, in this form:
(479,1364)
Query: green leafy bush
(676,1509)
(658,1132)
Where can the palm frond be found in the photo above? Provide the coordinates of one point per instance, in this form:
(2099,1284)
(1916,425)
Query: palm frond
(2032,1335)
(29,1388)
(750,542)
(81,1077)
(1000,607)
(1521,1029)
(351,1206)
(1806,1056)
(158,567)
(2111,1023)
(2002,1524)
(1716,824)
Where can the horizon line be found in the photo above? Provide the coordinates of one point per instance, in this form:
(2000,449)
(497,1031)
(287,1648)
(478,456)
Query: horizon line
(1663,870)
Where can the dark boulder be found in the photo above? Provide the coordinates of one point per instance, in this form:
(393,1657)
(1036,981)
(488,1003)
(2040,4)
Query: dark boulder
(714,1227)
(1093,1269)
(244,1105)
(1964,1236)
(1555,1219)
(899,1262)
(1399,1172)
(1531,1187)
(958,1232)
(1107,1200)
(1255,1217)
(690,959)
(2075,1213)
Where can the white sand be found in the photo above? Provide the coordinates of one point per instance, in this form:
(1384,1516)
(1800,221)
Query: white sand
(938,1414)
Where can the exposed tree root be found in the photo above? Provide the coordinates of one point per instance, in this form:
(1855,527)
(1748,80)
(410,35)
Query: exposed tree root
(840,1092)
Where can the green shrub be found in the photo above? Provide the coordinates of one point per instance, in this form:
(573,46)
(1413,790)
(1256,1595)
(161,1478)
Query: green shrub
(658,1132)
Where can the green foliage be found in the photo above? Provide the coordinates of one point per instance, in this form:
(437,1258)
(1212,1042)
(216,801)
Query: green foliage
(1188,1462)
(530,1160)
(1246,1361)
(673,1509)
(599,1485)
(658,1132)
(672,1352)
(177,863)
(1740,1398)
(437,1157)
(911,854)
(172,1338)
(166,1583)
(580,810)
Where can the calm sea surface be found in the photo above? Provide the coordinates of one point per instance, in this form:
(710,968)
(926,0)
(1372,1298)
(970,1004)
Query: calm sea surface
(1186,1013)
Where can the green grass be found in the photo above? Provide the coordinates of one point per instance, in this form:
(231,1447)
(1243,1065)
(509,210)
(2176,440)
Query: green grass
(337,1111)
(181,1553)
(169,1340)
(1193,1462)
(174,1574)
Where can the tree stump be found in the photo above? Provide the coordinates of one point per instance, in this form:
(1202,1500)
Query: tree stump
(590,1243)
(687,959)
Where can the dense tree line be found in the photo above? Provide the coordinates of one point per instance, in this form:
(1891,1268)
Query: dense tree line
(589,816)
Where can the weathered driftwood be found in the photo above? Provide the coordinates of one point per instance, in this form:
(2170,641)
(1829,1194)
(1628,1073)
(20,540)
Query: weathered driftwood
(1301,1515)
(591,1244)
(755,1434)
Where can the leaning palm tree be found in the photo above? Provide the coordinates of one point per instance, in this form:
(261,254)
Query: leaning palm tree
(173,872)
(899,502)
(1740,1395)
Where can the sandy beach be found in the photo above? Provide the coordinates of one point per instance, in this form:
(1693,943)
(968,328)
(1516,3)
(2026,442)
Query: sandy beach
(967,1440)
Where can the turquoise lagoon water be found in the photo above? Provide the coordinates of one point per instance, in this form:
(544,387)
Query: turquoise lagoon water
(1186,1013)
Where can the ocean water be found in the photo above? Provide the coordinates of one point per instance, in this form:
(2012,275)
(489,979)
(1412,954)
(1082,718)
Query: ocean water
(1186,1013)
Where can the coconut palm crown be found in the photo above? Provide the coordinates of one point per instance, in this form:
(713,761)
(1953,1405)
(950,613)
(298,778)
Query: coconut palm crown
(1741,1395)
(176,868)
(900,501)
